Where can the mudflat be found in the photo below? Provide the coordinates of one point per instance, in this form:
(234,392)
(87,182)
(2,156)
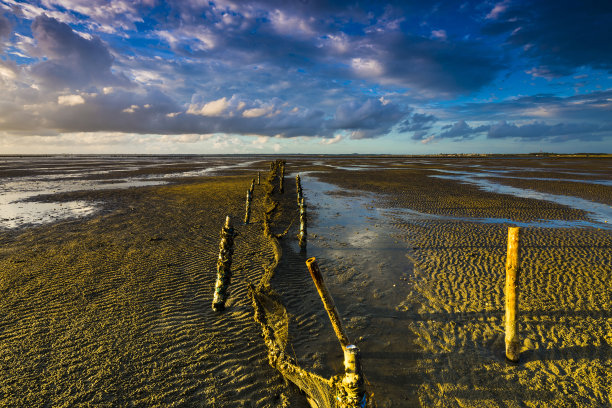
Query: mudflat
(114,309)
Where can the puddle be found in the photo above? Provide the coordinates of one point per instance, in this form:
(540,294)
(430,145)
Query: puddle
(600,213)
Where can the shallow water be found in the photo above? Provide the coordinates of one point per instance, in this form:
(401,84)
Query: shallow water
(601,214)
(18,205)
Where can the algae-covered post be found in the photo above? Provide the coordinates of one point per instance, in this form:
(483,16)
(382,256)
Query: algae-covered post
(328,302)
(224,265)
(302,234)
(512,294)
(298,187)
(249,198)
(353,381)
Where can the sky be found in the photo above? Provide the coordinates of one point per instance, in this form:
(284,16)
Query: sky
(305,76)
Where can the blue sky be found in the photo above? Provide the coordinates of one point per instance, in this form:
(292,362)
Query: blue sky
(305,76)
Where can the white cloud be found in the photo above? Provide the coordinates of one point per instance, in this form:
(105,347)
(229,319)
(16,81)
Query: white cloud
(439,34)
(276,147)
(70,100)
(333,140)
(290,25)
(255,112)
(213,108)
(367,67)
(131,109)
(497,10)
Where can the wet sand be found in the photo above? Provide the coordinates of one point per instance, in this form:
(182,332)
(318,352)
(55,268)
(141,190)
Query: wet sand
(114,309)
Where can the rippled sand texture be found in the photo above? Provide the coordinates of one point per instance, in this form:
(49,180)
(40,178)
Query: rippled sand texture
(565,316)
(116,310)
(455,298)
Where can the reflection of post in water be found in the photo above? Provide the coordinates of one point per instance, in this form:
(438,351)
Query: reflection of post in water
(302,234)
(224,265)
(512,292)
(352,393)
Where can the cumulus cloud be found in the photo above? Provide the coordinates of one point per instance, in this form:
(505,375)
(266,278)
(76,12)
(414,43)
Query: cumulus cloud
(297,69)
(212,108)
(70,60)
(367,119)
(70,100)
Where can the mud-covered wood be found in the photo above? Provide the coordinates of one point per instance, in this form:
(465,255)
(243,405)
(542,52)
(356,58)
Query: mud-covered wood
(224,265)
(328,302)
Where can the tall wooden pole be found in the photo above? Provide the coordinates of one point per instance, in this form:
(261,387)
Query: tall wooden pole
(512,295)
(328,302)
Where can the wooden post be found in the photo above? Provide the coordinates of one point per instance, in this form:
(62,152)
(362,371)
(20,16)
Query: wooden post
(298,186)
(353,381)
(303,224)
(512,295)
(252,188)
(328,302)
(258,179)
(247,215)
(224,265)
(282,176)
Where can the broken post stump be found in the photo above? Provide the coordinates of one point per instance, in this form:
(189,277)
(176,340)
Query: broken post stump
(303,224)
(353,381)
(224,265)
(328,302)
(282,176)
(512,294)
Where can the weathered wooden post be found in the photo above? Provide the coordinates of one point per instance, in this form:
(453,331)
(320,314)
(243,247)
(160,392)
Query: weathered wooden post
(352,393)
(512,294)
(353,381)
(303,226)
(252,188)
(282,176)
(298,186)
(224,265)
(328,302)
(249,197)
(258,179)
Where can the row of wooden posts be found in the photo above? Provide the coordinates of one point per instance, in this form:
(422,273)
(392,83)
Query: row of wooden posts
(353,380)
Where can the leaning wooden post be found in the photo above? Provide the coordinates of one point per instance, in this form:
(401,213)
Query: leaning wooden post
(252,188)
(224,265)
(303,225)
(353,381)
(328,302)
(249,198)
(512,294)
